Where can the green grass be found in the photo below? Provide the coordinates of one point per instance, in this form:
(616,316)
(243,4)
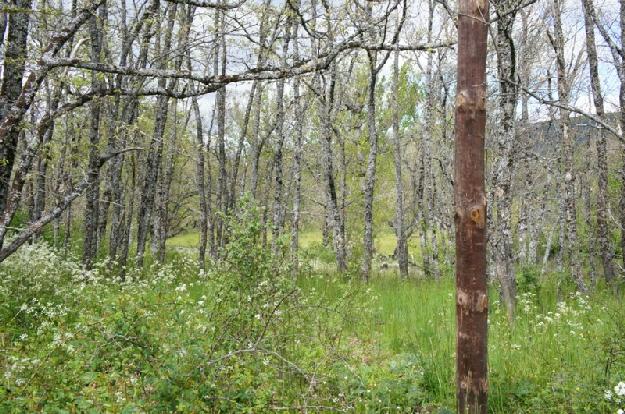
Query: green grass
(535,365)
(184,240)
(385,344)
(384,243)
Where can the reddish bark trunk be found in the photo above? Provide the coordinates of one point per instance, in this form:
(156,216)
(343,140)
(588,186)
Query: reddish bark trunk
(470,205)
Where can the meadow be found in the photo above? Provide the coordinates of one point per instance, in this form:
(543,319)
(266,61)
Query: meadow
(245,336)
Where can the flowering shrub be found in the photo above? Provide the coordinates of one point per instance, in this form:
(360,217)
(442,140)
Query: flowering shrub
(241,337)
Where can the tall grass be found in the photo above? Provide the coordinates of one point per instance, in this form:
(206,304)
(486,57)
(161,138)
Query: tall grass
(552,358)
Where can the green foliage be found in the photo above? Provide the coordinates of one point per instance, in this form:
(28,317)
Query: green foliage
(245,336)
(527,277)
(317,251)
(241,338)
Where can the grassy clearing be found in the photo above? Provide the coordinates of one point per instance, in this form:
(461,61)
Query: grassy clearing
(184,240)
(553,358)
(384,243)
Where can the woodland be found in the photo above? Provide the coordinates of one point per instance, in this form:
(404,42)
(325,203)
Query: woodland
(302,206)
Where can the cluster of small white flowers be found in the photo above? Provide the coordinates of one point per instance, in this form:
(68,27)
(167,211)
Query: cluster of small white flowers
(165,275)
(567,317)
(617,396)
(18,368)
(526,302)
(62,340)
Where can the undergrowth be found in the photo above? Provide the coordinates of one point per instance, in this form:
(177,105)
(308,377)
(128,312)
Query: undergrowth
(245,336)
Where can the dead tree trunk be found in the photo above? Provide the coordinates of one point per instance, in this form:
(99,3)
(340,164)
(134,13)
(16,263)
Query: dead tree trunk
(470,209)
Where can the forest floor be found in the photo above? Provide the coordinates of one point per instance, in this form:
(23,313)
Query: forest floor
(247,338)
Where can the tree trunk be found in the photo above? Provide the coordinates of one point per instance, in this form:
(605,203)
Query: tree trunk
(278,202)
(506,70)
(622,121)
(155,151)
(297,159)
(200,167)
(401,250)
(12,74)
(161,225)
(222,185)
(602,161)
(573,252)
(470,205)
(45,135)
(92,194)
(370,174)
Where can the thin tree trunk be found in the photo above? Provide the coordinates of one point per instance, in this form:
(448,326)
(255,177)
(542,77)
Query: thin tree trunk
(564,89)
(526,238)
(278,202)
(161,225)
(602,160)
(92,194)
(400,227)
(13,71)
(155,151)
(300,109)
(370,175)
(200,168)
(622,122)
(422,217)
(45,135)
(506,69)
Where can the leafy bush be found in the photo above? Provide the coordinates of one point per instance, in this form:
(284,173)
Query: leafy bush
(242,337)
